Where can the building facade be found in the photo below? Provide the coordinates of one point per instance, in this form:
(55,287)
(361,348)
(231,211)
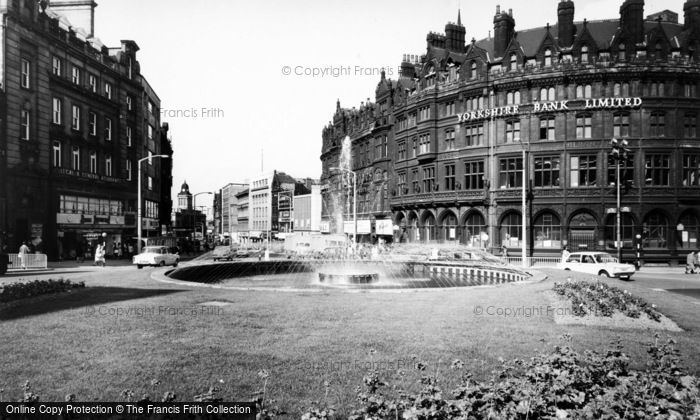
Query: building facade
(442,151)
(75,118)
(307,211)
(189,221)
(229,208)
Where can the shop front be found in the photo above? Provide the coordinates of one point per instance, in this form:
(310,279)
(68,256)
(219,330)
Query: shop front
(78,235)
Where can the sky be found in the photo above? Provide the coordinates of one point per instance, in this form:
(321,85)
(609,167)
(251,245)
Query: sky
(247,86)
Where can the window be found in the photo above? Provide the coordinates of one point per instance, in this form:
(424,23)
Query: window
(513,97)
(690,126)
(128,170)
(128,136)
(584,54)
(428,179)
(92,81)
(584,91)
(547,231)
(474,135)
(626,171)
(474,175)
(450,108)
(655,231)
(57,105)
(108,90)
(657,125)
(151,107)
(401,184)
(691,227)
(25,73)
(108,165)
(548,94)
(547,57)
(450,177)
(656,89)
(621,89)
(424,113)
(415,183)
(511,172)
(75,122)
(385,146)
(92,123)
(621,125)
(75,75)
(150,183)
(583,171)
(57,66)
(108,129)
(129,103)
(450,139)
(76,158)
(149,132)
(621,53)
(547,128)
(547,171)
(657,169)
(56,154)
(691,170)
(24,124)
(510,229)
(401,151)
(689,90)
(424,144)
(472,71)
(93,162)
(513,62)
(583,126)
(414,146)
(412,119)
(512,131)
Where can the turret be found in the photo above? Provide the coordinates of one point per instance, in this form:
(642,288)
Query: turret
(632,20)
(454,35)
(692,14)
(503,30)
(565,24)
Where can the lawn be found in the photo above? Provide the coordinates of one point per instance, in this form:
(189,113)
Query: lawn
(121,333)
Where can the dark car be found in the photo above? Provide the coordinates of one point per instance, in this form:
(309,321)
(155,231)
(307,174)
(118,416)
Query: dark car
(223,252)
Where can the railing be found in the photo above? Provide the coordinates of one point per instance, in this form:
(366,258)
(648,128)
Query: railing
(532,261)
(27,261)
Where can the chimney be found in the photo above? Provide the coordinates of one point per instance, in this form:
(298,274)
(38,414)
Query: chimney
(632,20)
(503,30)
(80,13)
(454,35)
(692,14)
(565,24)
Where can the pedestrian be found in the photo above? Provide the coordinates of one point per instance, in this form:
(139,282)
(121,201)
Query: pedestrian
(100,255)
(565,254)
(696,263)
(690,263)
(504,251)
(23,251)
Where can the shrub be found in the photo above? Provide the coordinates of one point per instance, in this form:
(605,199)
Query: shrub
(19,290)
(603,300)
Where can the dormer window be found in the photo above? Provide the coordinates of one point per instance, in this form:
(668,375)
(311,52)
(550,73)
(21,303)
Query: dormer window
(621,53)
(513,62)
(547,57)
(472,73)
(584,54)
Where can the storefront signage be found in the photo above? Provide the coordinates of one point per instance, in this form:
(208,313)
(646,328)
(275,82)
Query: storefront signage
(89,219)
(384,227)
(87,175)
(364,227)
(148,223)
(538,107)
(325,226)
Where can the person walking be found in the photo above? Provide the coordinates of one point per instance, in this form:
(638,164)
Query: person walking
(690,263)
(565,254)
(100,255)
(23,252)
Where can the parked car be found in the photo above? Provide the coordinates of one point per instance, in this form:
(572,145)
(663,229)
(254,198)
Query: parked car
(598,263)
(243,252)
(156,256)
(223,252)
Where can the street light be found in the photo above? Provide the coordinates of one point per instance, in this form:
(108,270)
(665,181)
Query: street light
(619,153)
(194,206)
(524,205)
(354,201)
(138,206)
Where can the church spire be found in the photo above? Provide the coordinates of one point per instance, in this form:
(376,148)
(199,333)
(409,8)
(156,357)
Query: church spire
(459,17)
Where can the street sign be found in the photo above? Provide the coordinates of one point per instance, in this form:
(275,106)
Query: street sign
(610,211)
(625,209)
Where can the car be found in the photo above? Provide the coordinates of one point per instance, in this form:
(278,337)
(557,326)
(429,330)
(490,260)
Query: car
(156,256)
(223,252)
(598,263)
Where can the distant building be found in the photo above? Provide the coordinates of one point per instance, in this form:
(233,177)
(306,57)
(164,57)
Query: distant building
(189,222)
(229,208)
(242,215)
(307,211)
(75,119)
(267,191)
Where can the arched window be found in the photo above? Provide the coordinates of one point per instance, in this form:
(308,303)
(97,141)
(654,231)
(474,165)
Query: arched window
(583,230)
(510,229)
(448,228)
(579,91)
(429,228)
(547,231)
(516,97)
(475,231)
(621,53)
(547,57)
(689,235)
(412,231)
(627,228)
(587,91)
(655,231)
(472,74)
(584,54)
(617,89)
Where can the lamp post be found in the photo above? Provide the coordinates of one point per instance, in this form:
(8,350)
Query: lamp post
(354,202)
(524,206)
(194,206)
(138,205)
(619,152)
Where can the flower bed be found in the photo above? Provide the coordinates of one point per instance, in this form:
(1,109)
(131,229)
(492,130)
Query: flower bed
(599,299)
(23,290)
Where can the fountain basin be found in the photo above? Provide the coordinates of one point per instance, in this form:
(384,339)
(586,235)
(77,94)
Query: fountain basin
(346,278)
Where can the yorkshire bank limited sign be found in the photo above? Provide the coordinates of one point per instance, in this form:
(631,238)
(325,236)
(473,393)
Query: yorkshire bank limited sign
(537,107)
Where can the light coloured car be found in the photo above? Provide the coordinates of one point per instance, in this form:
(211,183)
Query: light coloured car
(223,252)
(156,256)
(598,263)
